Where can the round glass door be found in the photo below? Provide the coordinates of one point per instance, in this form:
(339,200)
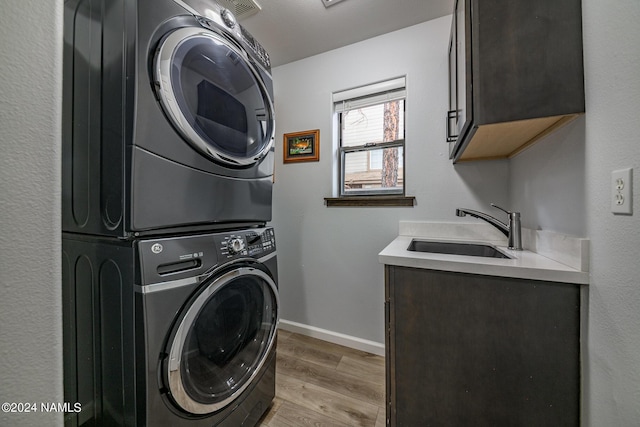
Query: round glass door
(214,96)
(223,340)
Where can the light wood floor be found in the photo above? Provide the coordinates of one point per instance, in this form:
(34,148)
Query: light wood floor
(324,384)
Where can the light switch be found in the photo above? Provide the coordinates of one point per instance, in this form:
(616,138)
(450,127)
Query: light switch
(622,191)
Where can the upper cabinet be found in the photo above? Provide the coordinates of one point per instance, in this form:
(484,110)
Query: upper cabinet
(515,74)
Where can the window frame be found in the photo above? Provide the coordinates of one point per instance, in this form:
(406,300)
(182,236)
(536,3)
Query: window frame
(378,93)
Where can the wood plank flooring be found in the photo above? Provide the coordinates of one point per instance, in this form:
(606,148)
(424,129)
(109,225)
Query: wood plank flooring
(323,384)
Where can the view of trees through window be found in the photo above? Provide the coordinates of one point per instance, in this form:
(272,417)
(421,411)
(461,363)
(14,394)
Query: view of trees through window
(372,139)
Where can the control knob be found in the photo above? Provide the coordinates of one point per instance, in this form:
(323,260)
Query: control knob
(236,245)
(228,18)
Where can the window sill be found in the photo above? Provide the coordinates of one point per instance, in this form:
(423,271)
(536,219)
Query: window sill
(368,201)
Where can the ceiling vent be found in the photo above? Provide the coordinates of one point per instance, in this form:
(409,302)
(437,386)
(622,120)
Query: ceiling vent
(241,8)
(328,3)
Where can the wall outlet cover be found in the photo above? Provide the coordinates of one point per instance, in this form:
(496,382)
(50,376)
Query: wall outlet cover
(622,191)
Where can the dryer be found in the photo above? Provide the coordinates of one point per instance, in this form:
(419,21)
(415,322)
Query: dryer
(173,331)
(168,119)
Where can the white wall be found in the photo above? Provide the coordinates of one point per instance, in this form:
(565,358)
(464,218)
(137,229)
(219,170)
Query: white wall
(562,184)
(329,273)
(30,282)
(548,182)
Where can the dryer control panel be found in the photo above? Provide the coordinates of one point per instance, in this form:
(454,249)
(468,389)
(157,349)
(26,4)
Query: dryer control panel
(254,243)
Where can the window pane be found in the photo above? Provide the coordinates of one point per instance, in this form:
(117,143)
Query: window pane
(375,158)
(366,171)
(366,125)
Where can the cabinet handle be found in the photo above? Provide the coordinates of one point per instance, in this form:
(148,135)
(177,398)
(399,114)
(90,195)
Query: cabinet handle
(387,315)
(451,114)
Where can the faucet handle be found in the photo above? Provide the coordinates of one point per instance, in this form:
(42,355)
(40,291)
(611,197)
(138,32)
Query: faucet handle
(504,210)
(515,231)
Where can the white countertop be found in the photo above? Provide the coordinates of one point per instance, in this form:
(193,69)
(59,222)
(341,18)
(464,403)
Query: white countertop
(524,264)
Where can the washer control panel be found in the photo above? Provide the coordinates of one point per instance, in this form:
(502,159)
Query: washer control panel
(254,243)
(188,256)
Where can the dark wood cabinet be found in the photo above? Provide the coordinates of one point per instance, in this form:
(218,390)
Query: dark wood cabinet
(519,74)
(459,72)
(466,349)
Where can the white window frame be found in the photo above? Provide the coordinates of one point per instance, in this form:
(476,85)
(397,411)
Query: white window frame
(363,96)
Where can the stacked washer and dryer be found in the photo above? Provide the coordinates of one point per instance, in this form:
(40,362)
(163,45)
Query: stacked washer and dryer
(169,267)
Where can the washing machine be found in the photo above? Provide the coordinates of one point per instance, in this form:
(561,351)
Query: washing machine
(168,119)
(172,331)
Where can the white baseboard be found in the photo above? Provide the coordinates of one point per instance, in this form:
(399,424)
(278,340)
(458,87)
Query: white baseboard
(333,337)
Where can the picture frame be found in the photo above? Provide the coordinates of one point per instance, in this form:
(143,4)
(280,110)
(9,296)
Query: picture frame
(302,146)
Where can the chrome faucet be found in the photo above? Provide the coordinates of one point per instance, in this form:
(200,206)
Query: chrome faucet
(512,230)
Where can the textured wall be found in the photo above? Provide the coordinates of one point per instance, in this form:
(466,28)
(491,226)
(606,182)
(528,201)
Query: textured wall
(612,61)
(30,295)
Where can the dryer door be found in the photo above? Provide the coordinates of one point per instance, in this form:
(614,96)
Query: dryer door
(222,341)
(214,96)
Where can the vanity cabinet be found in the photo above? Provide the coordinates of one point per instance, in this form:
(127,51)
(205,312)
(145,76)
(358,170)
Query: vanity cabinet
(515,74)
(465,349)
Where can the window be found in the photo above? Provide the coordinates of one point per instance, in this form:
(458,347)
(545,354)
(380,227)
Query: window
(371,138)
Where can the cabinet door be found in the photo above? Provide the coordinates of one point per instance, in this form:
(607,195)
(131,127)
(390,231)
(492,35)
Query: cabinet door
(452,114)
(478,350)
(460,76)
(461,64)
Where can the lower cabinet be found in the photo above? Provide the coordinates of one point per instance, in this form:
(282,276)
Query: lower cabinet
(473,350)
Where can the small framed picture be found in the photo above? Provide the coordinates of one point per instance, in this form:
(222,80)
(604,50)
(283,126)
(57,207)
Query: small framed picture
(302,146)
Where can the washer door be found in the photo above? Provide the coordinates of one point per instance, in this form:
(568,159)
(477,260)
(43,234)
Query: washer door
(214,96)
(223,340)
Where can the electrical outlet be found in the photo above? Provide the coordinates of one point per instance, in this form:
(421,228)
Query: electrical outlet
(621,191)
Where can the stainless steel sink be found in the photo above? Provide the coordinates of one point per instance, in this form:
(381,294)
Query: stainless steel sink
(455,248)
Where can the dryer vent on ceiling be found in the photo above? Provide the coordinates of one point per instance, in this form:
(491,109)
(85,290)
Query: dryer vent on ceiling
(241,8)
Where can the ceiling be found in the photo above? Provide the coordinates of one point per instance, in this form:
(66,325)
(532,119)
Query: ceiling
(290,30)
